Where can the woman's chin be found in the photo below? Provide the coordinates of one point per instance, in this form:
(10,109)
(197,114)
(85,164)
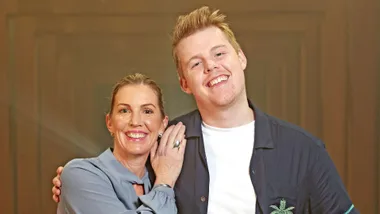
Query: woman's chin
(136,147)
(139,150)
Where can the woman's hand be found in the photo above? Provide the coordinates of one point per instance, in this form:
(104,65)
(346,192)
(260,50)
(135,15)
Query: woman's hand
(167,157)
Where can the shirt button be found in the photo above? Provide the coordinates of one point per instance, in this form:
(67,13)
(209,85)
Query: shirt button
(203,199)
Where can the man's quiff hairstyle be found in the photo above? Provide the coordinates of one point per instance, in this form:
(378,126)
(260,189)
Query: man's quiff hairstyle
(195,21)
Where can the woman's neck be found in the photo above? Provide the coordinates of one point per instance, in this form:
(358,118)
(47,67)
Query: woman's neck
(135,164)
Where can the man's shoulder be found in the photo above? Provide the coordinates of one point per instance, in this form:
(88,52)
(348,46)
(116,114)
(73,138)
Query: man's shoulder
(186,118)
(287,132)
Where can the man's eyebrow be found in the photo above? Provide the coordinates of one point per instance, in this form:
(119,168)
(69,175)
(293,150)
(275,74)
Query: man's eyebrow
(218,46)
(212,49)
(193,57)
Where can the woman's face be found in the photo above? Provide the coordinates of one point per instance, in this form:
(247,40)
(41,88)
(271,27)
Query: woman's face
(136,119)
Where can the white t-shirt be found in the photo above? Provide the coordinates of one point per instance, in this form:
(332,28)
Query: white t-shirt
(228,153)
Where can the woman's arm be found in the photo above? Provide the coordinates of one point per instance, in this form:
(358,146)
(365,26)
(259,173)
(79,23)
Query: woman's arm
(87,189)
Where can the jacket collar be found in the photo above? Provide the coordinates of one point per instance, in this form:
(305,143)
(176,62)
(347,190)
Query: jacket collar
(263,137)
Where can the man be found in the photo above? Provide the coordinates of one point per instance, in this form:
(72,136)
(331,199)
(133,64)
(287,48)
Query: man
(239,159)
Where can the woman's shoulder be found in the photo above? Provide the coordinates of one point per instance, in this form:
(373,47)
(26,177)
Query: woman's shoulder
(83,163)
(84,178)
(89,164)
(83,168)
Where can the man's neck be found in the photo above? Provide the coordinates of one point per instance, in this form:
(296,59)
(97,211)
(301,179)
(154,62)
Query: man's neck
(238,114)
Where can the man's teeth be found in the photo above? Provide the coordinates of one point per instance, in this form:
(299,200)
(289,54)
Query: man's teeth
(136,135)
(217,80)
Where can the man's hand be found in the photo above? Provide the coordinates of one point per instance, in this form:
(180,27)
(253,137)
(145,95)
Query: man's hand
(56,190)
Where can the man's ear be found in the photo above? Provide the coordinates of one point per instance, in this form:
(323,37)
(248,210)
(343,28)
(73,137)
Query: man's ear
(242,58)
(184,86)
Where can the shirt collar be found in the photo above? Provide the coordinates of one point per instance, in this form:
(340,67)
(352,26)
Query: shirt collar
(112,164)
(263,138)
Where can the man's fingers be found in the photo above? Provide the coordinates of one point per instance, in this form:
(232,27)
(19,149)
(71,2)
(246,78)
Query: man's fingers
(56,198)
(59,170)
(56,191)
(56,181)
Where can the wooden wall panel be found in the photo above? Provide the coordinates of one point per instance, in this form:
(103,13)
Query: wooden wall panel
(25,128)
(7,183)
(333,70)
(175,7)
(283,69)
(59,140)
(363,73)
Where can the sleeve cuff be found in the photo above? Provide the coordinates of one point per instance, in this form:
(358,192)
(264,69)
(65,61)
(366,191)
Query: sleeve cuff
(350,210)
(160,199)
(167,190)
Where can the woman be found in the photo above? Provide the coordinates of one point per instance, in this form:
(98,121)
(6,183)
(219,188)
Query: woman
(117,181)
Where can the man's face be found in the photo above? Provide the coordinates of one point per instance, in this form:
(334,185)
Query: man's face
(213,71)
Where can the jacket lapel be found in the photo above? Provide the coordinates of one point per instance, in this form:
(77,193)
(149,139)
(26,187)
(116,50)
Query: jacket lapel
(259,181)
(263,142)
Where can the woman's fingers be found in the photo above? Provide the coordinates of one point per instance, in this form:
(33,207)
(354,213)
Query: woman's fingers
(164,141)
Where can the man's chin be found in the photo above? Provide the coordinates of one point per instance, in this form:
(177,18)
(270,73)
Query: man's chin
(223,101)
(215,100)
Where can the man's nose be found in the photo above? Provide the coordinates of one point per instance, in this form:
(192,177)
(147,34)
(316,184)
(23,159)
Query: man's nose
(210,65)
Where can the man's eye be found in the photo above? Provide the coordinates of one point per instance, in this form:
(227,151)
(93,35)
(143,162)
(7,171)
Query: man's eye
(195,65)
(219,54)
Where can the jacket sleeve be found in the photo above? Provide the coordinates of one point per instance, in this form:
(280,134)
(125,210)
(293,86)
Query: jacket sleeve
(328,194)
(86,189)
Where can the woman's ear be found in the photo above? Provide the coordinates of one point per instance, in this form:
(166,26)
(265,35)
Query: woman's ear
(109,124)
(165,122)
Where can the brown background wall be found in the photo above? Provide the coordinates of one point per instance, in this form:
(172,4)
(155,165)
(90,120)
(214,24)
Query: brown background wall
(313,63)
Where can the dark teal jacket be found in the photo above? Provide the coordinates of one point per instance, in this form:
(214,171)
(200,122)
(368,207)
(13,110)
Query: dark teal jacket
(287,164)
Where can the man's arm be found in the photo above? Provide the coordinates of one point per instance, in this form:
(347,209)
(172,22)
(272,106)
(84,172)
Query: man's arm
(86,189)
(328,194)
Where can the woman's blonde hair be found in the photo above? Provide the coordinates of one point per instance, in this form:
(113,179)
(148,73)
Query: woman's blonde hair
(137,79)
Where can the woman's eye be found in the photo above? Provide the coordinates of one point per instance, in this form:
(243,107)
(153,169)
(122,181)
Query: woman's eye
(148,111)
(123,110)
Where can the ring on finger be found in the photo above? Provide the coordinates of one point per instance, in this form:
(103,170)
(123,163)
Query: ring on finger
(176,144)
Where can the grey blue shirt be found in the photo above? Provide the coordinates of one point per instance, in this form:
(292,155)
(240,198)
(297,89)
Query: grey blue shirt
(103,185)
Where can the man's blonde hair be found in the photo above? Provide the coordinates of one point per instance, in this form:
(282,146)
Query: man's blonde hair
(197,20)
